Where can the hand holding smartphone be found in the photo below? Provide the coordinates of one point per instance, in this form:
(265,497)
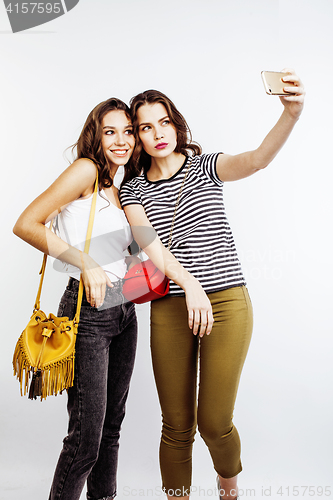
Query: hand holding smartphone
(274,84)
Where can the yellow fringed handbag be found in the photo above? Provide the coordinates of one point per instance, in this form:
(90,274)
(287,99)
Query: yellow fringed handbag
(45,351)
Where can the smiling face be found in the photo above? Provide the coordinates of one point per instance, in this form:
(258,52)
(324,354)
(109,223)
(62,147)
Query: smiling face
(117,137)
(157,134)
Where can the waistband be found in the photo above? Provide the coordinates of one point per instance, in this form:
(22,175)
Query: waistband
(113,296)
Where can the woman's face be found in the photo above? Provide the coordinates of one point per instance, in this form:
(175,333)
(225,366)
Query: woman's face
(117,137)
(157,134)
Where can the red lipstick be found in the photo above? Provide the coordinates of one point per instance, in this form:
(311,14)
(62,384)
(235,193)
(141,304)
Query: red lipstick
(161,145)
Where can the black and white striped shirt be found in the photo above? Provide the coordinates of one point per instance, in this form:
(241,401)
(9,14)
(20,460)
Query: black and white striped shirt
(202,240)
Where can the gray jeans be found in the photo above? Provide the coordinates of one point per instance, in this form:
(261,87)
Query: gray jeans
(105,352)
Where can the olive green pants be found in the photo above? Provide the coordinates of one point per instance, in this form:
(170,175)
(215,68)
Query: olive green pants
(175,354)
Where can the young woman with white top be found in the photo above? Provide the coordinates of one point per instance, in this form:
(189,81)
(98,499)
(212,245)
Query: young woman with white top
(106,339)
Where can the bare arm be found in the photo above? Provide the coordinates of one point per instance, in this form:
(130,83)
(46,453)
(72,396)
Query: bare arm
(76,181)
(198,304)
(234,167)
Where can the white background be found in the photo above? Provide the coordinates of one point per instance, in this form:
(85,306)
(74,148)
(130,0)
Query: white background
(207,56)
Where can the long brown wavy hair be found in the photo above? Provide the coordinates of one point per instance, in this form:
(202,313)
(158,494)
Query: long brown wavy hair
(185,145)
(89,144)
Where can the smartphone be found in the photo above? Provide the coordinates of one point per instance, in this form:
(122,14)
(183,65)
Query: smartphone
(273,83)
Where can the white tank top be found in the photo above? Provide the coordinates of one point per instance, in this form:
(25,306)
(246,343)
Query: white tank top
(110,238)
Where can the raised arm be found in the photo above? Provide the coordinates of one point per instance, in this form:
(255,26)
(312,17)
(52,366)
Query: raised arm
(76,181)
(198,305)
(234,167)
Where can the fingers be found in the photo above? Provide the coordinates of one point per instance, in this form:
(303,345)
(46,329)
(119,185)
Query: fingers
(196,324)
(297,94)
(291,77)
(295,89)
(87,290)
(210,322)
(102,295)
(293,100)
(190,318)
(200,313)
(95,282)
(201,321)
(95,295)
(108,282)
(203,326)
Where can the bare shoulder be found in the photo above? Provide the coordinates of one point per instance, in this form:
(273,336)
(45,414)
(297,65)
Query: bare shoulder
(73,183)
(78,178)
(81,169)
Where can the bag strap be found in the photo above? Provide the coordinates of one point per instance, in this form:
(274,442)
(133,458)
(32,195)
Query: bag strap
(176,206)
(149,277)
(177,202)
(86,250)
(42,273)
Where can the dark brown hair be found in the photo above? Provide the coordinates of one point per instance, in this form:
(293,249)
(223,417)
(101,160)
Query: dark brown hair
(141,159)
(89,144)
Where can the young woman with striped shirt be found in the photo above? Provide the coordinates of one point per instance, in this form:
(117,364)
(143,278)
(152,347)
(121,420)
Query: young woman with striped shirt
(208,293)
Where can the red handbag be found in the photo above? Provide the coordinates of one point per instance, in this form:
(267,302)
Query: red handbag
(144,281)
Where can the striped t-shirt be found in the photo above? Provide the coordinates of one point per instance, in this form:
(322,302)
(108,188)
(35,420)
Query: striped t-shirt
(202,240)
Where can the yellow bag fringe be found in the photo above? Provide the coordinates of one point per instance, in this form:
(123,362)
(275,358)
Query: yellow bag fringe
(55,376)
